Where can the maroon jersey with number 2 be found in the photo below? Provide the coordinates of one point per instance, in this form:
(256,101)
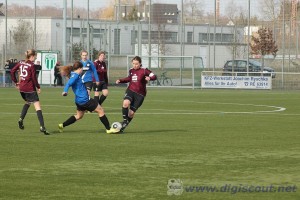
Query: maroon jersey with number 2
(136,79)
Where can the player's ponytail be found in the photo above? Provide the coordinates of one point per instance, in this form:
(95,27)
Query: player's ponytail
(29,53)
(66,70)
(77,65)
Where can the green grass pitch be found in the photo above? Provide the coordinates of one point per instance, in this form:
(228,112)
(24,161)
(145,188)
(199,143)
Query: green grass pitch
(201,138)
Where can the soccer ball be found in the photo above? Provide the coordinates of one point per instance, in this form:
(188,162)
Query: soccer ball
(116,125)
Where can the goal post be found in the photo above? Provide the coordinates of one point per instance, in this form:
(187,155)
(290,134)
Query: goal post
(172,71)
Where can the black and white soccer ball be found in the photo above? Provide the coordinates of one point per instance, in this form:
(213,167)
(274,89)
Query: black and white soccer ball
(116,125)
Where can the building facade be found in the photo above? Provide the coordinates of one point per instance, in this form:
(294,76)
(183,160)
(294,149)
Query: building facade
(119,39)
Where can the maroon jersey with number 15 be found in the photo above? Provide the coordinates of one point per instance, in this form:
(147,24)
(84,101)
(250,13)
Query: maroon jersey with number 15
(27,77)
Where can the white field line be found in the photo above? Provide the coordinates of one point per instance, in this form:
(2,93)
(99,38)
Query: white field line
(275,109)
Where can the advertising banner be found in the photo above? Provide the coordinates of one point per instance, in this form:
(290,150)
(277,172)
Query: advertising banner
(236,82)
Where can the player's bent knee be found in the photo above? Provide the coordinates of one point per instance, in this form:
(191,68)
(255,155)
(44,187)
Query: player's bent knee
(126,104)
(105,92)
(99,110)
(131,114)
(78,117)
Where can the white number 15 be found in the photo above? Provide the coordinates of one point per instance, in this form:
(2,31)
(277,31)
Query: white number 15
(23,71)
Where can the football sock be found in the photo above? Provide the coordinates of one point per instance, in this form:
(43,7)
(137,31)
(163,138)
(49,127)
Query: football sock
(24,111)
(125,114)
(40,117)
(69,121)
(102,99)
(105,122)
(129,119)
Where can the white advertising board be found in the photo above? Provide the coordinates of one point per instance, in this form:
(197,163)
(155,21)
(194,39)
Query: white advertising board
(236,82)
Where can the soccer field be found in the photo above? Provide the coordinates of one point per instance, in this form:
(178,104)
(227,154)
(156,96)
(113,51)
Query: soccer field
(182,144)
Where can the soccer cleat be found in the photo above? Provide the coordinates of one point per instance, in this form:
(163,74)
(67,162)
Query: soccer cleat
(43,130)
(21,125)
(124,125)
(112,130)
(60,128)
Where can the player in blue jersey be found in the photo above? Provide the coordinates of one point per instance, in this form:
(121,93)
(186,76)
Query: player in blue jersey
(89,70)
(82,99)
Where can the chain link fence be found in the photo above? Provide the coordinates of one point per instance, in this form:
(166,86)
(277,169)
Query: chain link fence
(211,32)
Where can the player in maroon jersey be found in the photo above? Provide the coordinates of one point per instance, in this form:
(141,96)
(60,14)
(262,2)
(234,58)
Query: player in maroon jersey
(103,78)
(136,91)
(29,87)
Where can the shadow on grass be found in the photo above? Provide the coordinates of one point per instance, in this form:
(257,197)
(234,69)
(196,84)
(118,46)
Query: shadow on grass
(77,132)
(151,131)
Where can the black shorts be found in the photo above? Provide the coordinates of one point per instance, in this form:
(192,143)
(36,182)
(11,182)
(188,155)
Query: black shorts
(30,97)
(88,85)
(91,105)
(102,86)
(135,99)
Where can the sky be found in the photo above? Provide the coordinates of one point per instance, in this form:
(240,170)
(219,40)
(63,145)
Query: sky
(208,4)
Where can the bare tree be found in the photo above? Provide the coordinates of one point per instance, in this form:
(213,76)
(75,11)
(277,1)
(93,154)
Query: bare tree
(237,14)
(270,10)
(106,13)
(19,10)
(236,47)
(193,11)
(22,35)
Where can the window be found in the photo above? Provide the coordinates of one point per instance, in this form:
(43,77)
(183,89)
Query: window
(164,35)
(203,37)
(134,36)
(218,37)
(117,41)
(242,64)
(227,38)
(229,64)
(206,37)
(97,33)
(190,37)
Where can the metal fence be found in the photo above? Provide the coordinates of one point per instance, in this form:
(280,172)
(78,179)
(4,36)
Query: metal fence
(214,31)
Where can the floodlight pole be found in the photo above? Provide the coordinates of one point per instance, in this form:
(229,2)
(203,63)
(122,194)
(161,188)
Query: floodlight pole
(64,36)
(72,12)
(181,42)
(34,34)
(88,30)
(214,43)
(248,38)
(5,30)
(149,33)
(283,43)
